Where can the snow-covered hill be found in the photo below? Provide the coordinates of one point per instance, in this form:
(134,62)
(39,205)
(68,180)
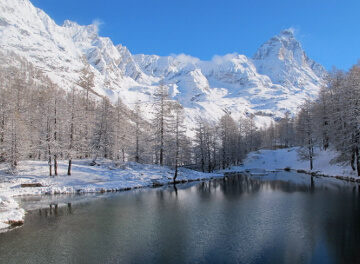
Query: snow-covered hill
(274,81)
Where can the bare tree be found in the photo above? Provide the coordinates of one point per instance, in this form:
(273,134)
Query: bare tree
(161,121)
(305,133)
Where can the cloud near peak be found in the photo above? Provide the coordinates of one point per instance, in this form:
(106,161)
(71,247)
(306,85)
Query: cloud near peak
(184,58)
(98,23)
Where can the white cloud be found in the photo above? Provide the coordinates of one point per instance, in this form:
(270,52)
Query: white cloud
(221,59)
(97,23)
(183,58)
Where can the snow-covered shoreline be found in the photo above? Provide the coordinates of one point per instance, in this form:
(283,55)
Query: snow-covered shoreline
(107,177)
(288,159)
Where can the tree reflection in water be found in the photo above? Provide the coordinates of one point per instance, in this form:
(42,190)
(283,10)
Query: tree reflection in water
(277,218)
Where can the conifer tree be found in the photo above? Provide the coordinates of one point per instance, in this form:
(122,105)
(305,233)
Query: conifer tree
(161,122)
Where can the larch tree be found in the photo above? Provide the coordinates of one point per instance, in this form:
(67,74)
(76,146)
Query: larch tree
(206,145)
(286,131)
(322,116)
(124,134)
(86,81)
(352,113)
(229,138)
(161,122)
(71,127)
(15,137)
(103,133)
(138,131)
(251,135)
(179,140)
(305,133)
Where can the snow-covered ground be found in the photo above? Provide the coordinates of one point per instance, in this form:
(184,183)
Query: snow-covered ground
(288,159)
(84,179)
(108,177)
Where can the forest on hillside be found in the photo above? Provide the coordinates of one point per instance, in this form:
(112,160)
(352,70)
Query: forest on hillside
(40,120)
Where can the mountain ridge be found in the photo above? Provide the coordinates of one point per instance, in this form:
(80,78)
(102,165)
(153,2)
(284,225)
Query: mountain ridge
(275,80)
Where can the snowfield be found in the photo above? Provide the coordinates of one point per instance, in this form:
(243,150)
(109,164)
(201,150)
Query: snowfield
(108,176)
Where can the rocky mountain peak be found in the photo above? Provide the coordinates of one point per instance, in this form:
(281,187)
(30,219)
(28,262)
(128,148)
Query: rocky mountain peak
(285,62)
(282,46)
(276,80)
(288,33)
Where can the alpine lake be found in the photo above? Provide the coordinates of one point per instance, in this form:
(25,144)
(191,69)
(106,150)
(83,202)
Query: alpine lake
(275,217)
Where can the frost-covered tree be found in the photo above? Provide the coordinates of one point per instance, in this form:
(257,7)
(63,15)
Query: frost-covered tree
(4,110)
(206,145)
(71,127)
(50,120)
(322,116)
(345,111)
(342,129)
(353,115)
(177,143)
(286,131)
(139,135)
(161,122)
(138,132)
(229,139)
(269,137)
(86,108)
(103,132)
(252,137)
(14,132)
(200,144)
(305,133)
(122,131)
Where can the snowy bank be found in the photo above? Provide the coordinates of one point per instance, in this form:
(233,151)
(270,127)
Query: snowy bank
(106,176)
(270,160)
(10,213)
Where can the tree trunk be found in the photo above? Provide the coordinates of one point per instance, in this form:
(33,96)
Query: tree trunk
(311,151)
(50,166)
(311,157)
(357,160)
(69,167)
(353,158)
(176,172)
(137,147)
(55,165)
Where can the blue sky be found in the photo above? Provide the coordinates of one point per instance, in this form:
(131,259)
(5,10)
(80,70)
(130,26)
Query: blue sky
(329,30)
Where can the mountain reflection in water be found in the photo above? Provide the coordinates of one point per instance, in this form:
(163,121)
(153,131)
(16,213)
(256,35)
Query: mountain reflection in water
(278,218)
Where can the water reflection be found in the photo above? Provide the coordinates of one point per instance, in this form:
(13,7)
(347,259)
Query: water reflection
(53,210)
(278,218)
(319,224)
(241,184)
(343,229)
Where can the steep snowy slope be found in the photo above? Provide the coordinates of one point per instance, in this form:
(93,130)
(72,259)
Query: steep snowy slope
(274,81)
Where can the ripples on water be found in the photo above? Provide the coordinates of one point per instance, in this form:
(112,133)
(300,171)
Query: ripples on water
(279,218)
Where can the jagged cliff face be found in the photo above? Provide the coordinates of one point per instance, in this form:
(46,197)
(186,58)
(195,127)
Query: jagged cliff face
(285,62)
(275,80)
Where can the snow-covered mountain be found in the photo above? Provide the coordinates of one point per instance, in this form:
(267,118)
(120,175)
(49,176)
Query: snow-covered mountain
(275,80)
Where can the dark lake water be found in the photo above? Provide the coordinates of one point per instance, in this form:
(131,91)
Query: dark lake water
(279,218)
